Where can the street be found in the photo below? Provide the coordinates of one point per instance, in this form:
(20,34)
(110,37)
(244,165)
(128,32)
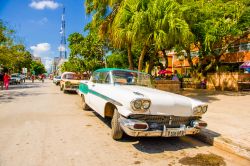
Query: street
(41,126)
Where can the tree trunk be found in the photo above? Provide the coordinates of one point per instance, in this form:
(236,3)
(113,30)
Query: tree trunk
(143,53)
(130,57)
(166,59)
(189,58)
(151,63)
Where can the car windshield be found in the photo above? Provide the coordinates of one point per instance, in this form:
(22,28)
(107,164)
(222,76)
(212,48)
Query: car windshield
(131,78)
(71,77)
(58,77)
(14,75)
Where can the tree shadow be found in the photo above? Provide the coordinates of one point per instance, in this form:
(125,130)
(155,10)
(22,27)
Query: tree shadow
(10,96)
(24,86)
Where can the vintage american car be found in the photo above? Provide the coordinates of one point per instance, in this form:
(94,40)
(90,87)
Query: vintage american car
(69,82)
(56,80)
(136,108)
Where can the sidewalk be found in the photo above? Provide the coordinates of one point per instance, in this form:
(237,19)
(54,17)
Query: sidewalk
(228,119)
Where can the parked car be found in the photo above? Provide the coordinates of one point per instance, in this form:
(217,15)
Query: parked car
(69,82)
(15,79)
(137,109)
(56,80)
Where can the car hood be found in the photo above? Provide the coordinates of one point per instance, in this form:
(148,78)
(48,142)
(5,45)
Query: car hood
(162,102)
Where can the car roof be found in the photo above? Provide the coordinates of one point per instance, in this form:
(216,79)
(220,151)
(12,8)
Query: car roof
(115,69)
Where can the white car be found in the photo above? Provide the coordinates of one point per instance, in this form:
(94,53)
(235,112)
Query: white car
(15,79)
(136,108)
(56,80)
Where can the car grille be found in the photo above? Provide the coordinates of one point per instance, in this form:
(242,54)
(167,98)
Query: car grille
(168,121)
(75,86)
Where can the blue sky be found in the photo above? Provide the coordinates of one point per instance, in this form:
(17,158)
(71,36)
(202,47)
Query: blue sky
(37,23)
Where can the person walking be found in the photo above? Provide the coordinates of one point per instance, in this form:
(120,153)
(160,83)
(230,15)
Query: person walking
(1,80)
(6,80)
(32,78)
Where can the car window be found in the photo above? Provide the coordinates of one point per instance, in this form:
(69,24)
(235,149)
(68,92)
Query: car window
(107,79)
(95,77)
(101,77)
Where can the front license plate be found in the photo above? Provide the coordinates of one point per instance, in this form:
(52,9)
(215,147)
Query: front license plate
(174,133)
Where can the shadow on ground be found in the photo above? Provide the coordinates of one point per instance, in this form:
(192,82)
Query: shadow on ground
(152,145)
(11,94)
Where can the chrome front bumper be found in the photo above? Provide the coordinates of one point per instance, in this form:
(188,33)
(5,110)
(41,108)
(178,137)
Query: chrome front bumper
(127,127)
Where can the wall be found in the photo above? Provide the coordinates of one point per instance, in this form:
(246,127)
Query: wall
(223,81)
(167,85)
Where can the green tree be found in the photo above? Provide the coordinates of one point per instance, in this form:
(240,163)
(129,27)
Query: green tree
(214,26)
(150,23)
(87,53)
(13,55)
(37,67)
(117,60)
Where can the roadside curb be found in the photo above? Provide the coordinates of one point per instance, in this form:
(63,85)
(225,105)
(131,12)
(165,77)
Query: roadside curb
(223,143)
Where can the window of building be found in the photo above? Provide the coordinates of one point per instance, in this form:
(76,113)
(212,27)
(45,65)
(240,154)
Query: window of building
(244,46)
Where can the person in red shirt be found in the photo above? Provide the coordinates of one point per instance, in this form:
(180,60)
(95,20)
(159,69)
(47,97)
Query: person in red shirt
(6,80)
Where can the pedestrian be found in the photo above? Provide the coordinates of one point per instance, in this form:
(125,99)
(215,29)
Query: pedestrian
(175,76)
(6,80)
(1,80)
(32,78)
(42,77)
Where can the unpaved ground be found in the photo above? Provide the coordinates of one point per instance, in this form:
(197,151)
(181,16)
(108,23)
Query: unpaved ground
(41,126)
(228,114)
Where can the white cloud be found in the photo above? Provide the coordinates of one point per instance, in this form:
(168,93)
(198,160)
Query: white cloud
(41,49)
(42,4)
(43,21)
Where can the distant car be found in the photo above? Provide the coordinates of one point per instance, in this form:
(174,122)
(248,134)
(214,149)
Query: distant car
(69,82)
(56,80)
(15,79)
(137,109)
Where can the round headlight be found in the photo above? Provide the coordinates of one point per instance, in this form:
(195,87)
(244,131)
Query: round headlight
(146,104)
(138,104)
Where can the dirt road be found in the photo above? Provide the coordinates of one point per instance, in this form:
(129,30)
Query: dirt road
(41,126)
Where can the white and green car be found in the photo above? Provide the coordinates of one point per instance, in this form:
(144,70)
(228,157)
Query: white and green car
(136,108)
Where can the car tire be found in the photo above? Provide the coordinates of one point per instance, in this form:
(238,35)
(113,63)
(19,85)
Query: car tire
(116,130)
(84,104)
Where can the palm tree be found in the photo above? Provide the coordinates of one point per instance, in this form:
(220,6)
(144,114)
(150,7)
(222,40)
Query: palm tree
(149,22)
(160,25)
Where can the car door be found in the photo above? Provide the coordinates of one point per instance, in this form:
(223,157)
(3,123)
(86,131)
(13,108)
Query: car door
(97,96)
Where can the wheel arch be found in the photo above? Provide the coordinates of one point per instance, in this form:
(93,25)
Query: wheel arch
(109,110)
